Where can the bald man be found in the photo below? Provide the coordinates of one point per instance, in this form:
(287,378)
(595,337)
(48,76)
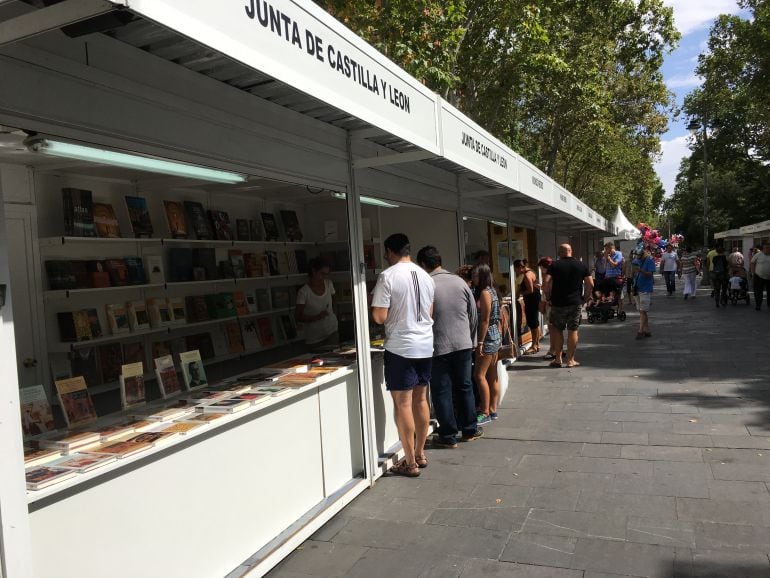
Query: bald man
(567,285)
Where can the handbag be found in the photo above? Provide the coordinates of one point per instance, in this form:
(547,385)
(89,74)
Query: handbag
(507,348)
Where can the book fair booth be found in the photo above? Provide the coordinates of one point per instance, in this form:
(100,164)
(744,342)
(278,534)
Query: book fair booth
(175,400)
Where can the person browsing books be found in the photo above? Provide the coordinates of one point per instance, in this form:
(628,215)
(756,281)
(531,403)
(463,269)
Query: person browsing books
(315,306)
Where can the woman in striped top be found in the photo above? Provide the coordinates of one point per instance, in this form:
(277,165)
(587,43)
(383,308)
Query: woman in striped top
(689,269)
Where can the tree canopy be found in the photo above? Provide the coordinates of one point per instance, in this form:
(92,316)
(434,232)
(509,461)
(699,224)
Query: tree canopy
(573,85)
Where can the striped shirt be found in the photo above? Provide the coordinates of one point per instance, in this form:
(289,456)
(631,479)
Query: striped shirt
(688,264)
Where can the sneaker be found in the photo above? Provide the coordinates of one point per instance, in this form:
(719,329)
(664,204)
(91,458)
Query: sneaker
(444,443)
(482,419)
(476,436)
(492,415)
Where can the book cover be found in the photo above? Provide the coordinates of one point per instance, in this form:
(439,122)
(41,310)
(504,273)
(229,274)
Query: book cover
(158,312)
(202,342)
(250,334)
(117,318)
(251,302)
(283,263)
(219,341)
(300,256)
(138,316)
(177,308)
(139,215)
(225,406)
(205,258)
(42,476)
(115,431)
(197,309)
(60,274)
(105,221)
(135,271)
(238,263)
(133,352)
(155,272)
(122,449)
(168,381)
(205,417)
(182,427)
(180,264)
(220,224)
(192,369)
(76,404)
(272,263)
(94,324)
(161,348)
(273,390)
(177,224)
(287,325)
(81,462)
(270,227)
(86,365)
(255,230)
(36,415)
(118,271)
(224,304)
(66,322)
(242,230)
(280,297)
(110,360)
(170,413)
(291,226)
(132,391)
(251,265)
(199,223)
(98,277)
(68,441)
(265,328)
(82,276)
(240,303)
(82,320)
(34,455)
(78,213)
(234,338)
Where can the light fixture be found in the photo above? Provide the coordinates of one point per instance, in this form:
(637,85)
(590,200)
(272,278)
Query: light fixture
(368,201)
(131,161)
(499,223)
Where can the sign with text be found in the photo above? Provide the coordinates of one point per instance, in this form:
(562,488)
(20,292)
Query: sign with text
(534,183)
(301,45)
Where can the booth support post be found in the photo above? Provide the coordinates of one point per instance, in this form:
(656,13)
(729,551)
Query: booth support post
(361,311)
(460,223)
(512,279)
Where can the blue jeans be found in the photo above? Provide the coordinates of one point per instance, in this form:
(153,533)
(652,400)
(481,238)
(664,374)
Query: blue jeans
(670,277)
(451,390)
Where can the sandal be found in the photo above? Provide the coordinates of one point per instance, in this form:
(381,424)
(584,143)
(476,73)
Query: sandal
(422,461)
(548,356)
(404,469)
(554,363)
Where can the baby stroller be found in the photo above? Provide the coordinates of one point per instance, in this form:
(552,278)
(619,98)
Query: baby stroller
(605,304)
(739,290)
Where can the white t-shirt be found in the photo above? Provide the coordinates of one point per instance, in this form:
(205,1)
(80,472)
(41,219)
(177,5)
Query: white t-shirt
(669,260)
(735,283)
(407,292)
(761,265)
(316,331)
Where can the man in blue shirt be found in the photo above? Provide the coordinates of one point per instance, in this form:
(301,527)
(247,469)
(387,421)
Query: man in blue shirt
(643,283)
(613,272)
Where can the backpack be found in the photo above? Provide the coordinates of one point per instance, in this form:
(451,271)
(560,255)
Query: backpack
(720,264)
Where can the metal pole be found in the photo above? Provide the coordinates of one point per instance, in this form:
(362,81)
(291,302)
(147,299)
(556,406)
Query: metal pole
(705,186)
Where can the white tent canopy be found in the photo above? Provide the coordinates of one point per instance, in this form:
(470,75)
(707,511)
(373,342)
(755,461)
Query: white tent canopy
(625,228)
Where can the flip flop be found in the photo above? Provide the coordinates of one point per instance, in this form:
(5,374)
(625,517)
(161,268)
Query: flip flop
(548,356)
(554,363)
(573,364)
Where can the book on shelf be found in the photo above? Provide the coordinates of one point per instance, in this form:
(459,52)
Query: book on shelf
(105,221)
(159,312)
(181,426)
(242,230)
(240,303)
(117,318)
(225,406)
(202,342)
(234,338)
(110,360)
(73,326)
(175,217)
(86,365)
(260,375)
(81,462)
(251,302)
(132,390)
(192,369)
(265,329)
(133,352)
(135,269)
(251,267)
(118,271)
(138,316)
(273,267)
(287,325)
(98,276)
(168,380)
(196,217)
(170,413)
(219,341)
(280,297)
(161,348)
(82,276)
(155,271)
(331,231)
(205,258)
(291,225)
(115,431)
(69,441)
(263,299)
(255,230)
(177,307)
(283,262)
(270,227)
(207,395)
(42,476)
(139,216)
(238,263)
(205,417)
(78,213)
(197,308)
(36,415)
(272,390)
(224,305)
(180,264)
(220,224)
(122,448)
(94,325)
(253,398)
(60,274)
(250,334)
(34,455)
(300,257)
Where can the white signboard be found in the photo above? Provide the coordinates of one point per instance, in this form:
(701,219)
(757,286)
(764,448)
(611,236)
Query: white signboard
(534,183)
(465,143)
(300,44)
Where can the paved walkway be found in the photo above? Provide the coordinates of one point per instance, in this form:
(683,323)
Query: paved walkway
(653,459)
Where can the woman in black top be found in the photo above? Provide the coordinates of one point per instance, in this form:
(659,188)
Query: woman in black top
(529,289)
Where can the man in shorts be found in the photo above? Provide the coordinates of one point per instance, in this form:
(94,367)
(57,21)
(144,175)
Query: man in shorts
(643,283)
(403,302)
(567,285)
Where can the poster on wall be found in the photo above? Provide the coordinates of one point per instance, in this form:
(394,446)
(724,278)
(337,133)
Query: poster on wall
(503,257)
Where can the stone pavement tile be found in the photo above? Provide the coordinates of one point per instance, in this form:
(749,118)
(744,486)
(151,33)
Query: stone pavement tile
(662,453)
(713,536)
(277,572)
(430,491)
(489,494)
(459,474)
(548,435)
(592,425)
(647,427)
(600,451)
(759,430)
(661,484)
(575,524)
(395,509)
(410,563)
(708,429)
(756,442)
(609,466)
(738,491)
(648,391)
(723,564)
(664,532)
(516,476)
(542,461)
(660,507)
(469,515)
(464,455)
(327,532)
(624,438)
(624,416)
(640,407)
(592,574)
(744,472)
(680,440)
(539,549)
(738,456)
(723,511)
(494,569)
(554,498)
(322,559)
(549,448)
(625,558)
(580,480)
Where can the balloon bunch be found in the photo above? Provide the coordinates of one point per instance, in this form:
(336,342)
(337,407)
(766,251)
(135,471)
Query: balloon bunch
(652,240)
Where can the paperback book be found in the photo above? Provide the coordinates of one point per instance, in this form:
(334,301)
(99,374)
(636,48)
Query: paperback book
(155,272)
(98,276)
(43,476)
(36,415)
(182,427)
(192,369)
(168,380)
(158,312)
(110,360)
(77,407)
(255,230)
(135,271)
(122,449)
(132,391)
(220,223)
(234,339)
(78,213)
(139,215)
(177,307)
(34,455)
(60,274)
(81,462)
(270,227)
(119,430)
(291,226)
(105,221)
(70,441)
(265,328)
(117,318)
(231,405)
(180,264)
(177,224)
(138,318)
(242,230)
(85,363)
(118,272)
(196,217)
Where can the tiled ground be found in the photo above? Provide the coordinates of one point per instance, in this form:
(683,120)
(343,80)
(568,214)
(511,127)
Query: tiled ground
(653,459)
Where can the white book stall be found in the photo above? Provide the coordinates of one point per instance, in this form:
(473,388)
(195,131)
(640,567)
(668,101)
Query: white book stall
(170,174)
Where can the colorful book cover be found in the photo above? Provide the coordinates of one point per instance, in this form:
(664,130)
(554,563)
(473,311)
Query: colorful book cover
(197,309)
(234,338)
(76,404)
(117,318)
(224,304)
(93,323)
(242,230)
(105,221)
(43,476)
(82,321)
(192,369)
(155,272)
(199,223)
(139,215)
(270,227)
(123,449)
(118,272)
(238,263)
(280,297)
(159,313)
(98,277)
(86,365)
(240,303)
(138,316)
(183,427)
(177,307)
(60,274)
(220,223)
(116,431)
(78,213)
(81,462)
(135,270)
(265,328)
(110,360)
(177,224)
(251,265)
(36,415)
(132,384)
(291,226)
(168,381)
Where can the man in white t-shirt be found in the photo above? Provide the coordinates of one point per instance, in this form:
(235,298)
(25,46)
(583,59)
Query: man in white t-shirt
(760,269)
(670,262)
(403,302)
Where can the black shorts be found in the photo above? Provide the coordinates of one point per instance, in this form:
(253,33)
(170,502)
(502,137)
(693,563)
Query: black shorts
(403,373)
(610,284)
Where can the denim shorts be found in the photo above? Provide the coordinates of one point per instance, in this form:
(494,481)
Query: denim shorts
(491,346)
(403,373)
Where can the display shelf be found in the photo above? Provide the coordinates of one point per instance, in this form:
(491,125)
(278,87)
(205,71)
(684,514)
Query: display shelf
(274,243)
(289,277)
(53,294)
(115,386)
(59,241)
(206,323)
(172,284)
(210,242)
(114,338)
